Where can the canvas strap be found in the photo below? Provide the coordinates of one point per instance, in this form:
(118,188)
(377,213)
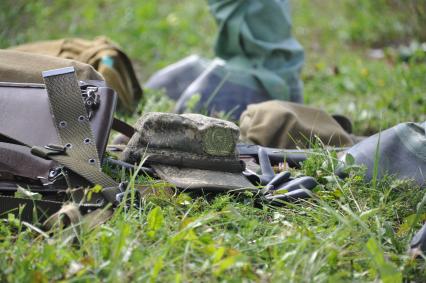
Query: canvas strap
(90,173)
(70,116)
(72,125)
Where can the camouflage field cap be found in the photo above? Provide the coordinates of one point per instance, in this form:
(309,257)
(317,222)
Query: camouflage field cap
(191,151)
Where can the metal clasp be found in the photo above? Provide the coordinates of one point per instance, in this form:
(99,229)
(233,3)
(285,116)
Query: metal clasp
(56,148)
(54,175)
(91,99)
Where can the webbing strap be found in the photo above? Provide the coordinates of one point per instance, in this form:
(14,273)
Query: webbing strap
(31,209)
(90,173)
(70,116)
(72,125)
(87,171)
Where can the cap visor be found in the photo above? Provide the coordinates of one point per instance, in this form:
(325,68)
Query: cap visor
(189,178)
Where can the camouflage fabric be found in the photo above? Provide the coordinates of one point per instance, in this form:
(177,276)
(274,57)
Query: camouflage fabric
(191,151)
(289,125)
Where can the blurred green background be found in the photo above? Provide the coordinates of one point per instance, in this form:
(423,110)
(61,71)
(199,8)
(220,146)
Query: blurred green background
(363,59)
(353,47)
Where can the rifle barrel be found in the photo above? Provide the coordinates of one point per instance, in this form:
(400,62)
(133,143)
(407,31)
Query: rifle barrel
(278,155)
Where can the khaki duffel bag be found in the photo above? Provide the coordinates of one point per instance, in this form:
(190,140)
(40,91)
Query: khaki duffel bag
(103,55)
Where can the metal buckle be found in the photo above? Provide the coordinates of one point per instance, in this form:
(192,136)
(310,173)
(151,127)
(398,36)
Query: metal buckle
(91,99)
(56,148)
(54,175)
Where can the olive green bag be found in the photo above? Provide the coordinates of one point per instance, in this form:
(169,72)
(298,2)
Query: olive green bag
(103,55)
(284,124)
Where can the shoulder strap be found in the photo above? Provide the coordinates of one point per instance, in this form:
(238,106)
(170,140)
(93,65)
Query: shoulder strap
(122,127)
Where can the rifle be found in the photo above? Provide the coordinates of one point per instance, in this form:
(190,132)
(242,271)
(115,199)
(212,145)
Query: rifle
(293,157)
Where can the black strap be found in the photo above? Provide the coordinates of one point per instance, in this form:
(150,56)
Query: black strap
(36,211)
(122,127)
(6,139)
(27,209)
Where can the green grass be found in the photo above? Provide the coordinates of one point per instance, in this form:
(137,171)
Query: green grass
(353,231)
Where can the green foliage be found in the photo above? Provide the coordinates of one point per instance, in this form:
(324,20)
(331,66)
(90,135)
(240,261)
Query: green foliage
(363,22)
(352,232)
(358,235)
(374,94)
(155,221)
(340,77)
(155,101)
(394,25)
(388,271)
(154,33)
